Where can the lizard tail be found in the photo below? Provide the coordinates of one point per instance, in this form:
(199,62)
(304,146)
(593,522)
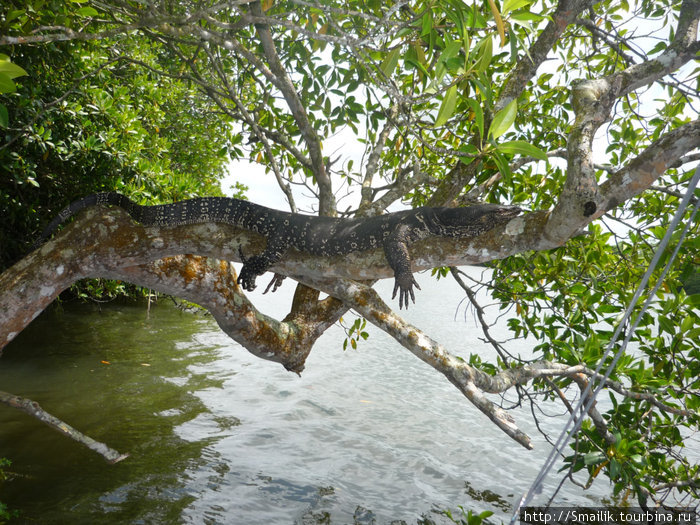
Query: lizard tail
(116,199)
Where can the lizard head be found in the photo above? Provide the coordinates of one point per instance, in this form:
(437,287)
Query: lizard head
(474,220)
(479,213)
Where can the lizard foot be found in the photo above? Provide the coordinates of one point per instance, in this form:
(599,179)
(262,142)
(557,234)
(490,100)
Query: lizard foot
(404,285)
(275,283)
(247,276)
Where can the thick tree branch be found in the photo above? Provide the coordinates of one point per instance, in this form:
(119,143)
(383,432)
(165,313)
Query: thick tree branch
(566,13)
(108,244)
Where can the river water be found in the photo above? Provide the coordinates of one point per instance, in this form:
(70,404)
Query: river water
(217,436)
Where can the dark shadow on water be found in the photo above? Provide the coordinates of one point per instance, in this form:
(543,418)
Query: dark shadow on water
(129,388)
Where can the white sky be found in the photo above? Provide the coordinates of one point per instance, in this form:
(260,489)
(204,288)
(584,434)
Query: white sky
(263,188)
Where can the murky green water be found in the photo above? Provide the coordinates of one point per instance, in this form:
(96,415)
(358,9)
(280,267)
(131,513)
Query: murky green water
(123,379)
(218,436)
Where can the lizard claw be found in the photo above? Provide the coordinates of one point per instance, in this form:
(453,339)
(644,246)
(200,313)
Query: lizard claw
(404,285)
(247,280)
(275,283)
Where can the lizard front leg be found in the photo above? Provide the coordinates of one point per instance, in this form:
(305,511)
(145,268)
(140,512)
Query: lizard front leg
(258,264)
(396,251)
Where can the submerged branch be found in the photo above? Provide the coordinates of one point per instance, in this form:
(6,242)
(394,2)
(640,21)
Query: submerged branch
(33,409)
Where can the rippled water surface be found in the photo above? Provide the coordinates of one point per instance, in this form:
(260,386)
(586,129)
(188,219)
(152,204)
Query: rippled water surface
(217,436)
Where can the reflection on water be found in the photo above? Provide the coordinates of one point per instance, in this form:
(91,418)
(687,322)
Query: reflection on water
(121,379)
(218,436)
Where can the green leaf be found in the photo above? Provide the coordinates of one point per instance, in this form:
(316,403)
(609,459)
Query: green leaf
(427,23)
(520,147)
(503,120)
(593,458)
(448,106)
(11,70)
(503,165)
(6,84)
(14,14)
(87,11)
(512,5)
(578,288)
(478,115)
(526,16)
(484,54)
(417,65)
(469,149)
(4,117)
(615,468)
(451,50)
(389,63)
(687,324)
(483,86)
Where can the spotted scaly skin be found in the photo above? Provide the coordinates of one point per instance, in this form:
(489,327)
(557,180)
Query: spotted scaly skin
(323,236)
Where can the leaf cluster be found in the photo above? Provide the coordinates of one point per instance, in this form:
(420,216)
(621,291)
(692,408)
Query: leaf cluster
(354,333)
(87,118)
(5,513)
(571,300)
